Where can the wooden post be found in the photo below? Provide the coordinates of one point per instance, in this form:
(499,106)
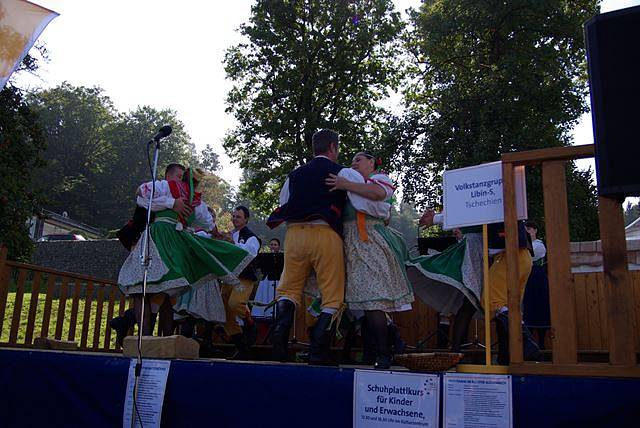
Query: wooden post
(486,294)
(561,288)
(46,315)
(617,283)
(107,332)
(74,310)
(17,306)
(62,307)
(88,299)
(513,274)
(4,283)
(33,307)
(97,328)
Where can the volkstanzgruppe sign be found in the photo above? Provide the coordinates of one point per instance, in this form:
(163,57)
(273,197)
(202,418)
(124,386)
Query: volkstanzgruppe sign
(474,195)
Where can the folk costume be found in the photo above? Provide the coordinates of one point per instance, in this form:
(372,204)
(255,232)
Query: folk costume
(451,281)
(375,254)
(536,312)
(179,259)
(236,295)
(313,242)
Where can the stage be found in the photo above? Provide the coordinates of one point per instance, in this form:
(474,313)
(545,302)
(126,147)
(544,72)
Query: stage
(72,389)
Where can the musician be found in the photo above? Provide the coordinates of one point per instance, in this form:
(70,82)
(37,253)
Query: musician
(236,296)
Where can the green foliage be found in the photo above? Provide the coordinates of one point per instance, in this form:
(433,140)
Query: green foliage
(96,155)
(494,77)
(129,165)
(404,219)
(74,120)
(21,142)
(308,65)
(209,159)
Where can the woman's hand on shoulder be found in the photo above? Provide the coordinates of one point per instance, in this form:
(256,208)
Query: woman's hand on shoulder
(336,182)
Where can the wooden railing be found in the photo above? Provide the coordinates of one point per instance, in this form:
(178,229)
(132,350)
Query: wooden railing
(81,306)
(618,292)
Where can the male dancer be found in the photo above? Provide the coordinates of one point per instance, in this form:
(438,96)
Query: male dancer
(236,297)
(312,243)
(129,236)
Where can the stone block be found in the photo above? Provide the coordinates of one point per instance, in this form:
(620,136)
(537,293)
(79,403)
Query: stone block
(55,344)
(633,244)
(591,259)
(574,247)
(588,246)
(161,347)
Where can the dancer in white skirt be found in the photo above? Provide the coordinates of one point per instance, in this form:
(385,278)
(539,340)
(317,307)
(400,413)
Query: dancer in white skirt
(375,254)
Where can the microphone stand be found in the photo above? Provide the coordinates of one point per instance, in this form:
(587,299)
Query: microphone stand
(145,260)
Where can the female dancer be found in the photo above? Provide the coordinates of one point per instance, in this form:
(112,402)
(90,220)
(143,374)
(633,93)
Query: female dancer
(375,254)
(179,259)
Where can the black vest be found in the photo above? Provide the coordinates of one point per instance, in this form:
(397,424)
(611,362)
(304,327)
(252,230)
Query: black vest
(250,271)
(310,198)
(496,236)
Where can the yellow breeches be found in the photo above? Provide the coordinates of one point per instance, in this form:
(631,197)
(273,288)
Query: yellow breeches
(313,247)
(498,277)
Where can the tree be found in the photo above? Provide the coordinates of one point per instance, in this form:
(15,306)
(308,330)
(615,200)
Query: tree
(308,64)
(21,142)
(74,120)
(129,163)
(404,220)
(209,159)
(493,77)
(97,156)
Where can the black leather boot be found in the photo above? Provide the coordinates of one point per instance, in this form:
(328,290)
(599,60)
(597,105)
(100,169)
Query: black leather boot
(399,345)
(242,349)
(531,351)
(502,331)
(349,340)
(286,310)
(377,326)
(320,341)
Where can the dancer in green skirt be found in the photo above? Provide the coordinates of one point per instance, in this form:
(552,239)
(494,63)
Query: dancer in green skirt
(179,258)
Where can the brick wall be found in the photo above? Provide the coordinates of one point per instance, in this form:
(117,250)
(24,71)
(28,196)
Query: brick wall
(587,256)
(100,259)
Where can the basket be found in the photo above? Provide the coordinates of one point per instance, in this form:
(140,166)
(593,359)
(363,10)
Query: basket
(429,362)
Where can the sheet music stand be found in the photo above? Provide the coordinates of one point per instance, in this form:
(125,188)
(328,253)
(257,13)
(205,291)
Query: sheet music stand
(271,265)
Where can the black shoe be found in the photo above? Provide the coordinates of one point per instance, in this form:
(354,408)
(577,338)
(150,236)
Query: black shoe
(122,324)
(119,325)
(531,352)
(383,362)
(319,352)
(242,349)
(250,331)
(368,344)
(399,345)
(280,334)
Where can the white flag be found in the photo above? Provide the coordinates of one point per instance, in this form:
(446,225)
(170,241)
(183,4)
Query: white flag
(21,23)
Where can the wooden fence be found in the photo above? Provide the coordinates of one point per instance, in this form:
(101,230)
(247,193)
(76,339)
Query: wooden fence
(41,302)
(609,316)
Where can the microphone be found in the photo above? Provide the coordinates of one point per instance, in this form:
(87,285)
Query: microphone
(164,132)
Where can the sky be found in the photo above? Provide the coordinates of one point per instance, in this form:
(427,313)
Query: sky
(167,54)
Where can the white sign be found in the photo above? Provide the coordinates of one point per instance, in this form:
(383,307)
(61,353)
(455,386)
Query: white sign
(151,387)
(395,399)
(474,400)
(474,195)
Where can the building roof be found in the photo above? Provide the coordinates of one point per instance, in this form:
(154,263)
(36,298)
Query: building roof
(68,223)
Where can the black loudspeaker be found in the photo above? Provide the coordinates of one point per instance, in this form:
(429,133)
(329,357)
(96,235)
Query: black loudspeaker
(613,55)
